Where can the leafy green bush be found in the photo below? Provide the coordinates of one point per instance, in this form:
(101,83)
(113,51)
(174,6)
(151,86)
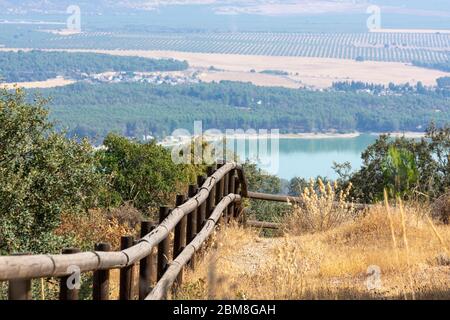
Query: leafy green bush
(141,173)
(421,167)
(400,172)
(42,174)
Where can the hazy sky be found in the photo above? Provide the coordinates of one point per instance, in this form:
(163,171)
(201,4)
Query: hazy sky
(262,7)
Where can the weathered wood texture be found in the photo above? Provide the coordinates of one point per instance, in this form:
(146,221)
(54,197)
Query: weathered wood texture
(146,265)
(163,286)
(294,200)
(67,285)
(126,274)
(101,277)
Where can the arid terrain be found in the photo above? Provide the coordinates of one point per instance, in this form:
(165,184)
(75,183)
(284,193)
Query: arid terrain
(50,83)
(375,256)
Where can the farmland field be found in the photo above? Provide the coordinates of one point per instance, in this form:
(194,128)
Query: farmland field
(301,71)
(380,46)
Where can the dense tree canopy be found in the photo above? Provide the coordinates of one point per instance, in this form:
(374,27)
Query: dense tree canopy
(39,65)
(136,110)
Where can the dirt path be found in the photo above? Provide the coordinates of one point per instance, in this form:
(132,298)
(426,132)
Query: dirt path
(252,256)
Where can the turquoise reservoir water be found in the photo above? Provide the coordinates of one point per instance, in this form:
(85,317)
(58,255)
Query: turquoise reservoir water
(308,157)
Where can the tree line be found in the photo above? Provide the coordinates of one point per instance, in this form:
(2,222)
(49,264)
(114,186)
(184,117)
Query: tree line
(135,110)
(38,65)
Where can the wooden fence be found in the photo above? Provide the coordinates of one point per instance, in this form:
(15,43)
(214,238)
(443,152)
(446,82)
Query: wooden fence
(213,201)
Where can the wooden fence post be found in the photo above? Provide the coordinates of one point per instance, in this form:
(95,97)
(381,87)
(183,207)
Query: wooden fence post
(179,241)
(220,189)
(164,246)
(146,265)
(201,214)
(237,190)
(65,293)
(192,217)
(180,229)
(226,192)
(19,289)
(192,223)
(211,202)
(126,274)
(232,189)
(101,277)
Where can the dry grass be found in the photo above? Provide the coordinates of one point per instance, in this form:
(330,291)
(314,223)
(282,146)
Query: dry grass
(96,226)
(323,208)
(441,208)
(409,250)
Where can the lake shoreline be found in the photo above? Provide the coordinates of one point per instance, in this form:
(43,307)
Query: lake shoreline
(173,141)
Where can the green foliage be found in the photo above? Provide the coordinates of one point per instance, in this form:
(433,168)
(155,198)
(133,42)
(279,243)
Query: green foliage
(135,110)
(39,65)
(42,173)
(260,181)
(275,72)
(443,82)
(404,165)
(400,172)
(297,185)
(141,173)
(442,66)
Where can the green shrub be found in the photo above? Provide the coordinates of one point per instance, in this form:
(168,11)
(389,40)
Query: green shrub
(143,174)
(42,174)
(421,167)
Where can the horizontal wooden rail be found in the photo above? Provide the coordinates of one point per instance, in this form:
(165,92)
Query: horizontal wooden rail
(38,266)
(294,200)
(263,225)
(163,286)
(273,197)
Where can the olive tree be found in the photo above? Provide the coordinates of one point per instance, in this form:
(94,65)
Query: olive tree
(42,174)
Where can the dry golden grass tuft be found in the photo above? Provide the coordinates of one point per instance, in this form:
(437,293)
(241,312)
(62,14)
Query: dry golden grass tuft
(323,208)
(99,226)
(409,251)
(94,227)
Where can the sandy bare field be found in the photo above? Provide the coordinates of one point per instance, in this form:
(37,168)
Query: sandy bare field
(316,72)
(303,71)
(50,83)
